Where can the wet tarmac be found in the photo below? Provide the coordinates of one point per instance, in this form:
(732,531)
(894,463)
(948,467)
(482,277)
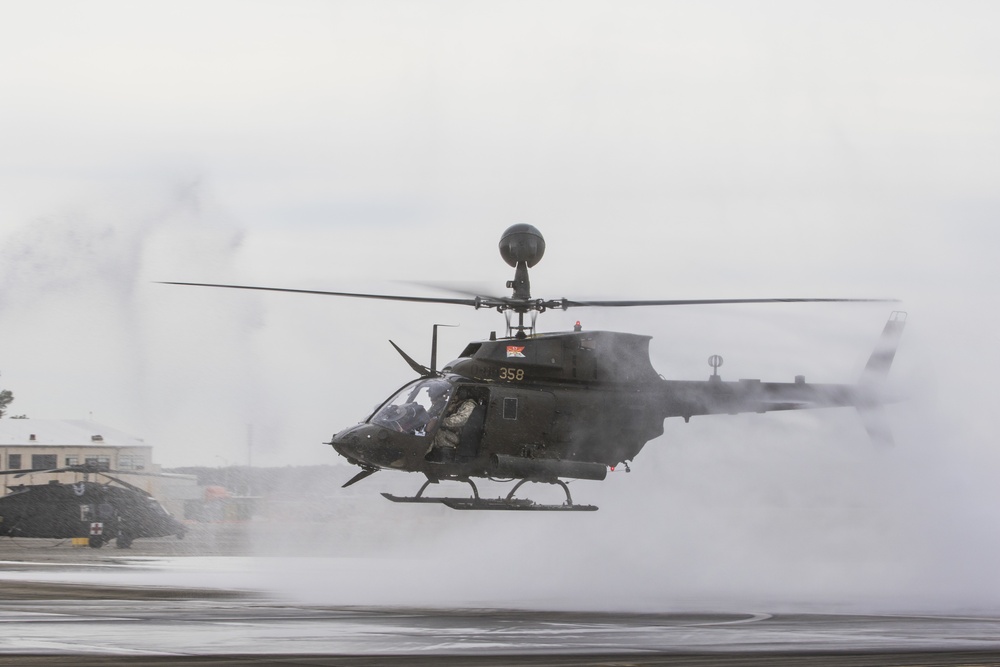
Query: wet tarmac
(61,605)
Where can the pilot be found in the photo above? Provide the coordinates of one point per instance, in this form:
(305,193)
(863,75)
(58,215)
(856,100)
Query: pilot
(439,398)
(438,394)
(447,435)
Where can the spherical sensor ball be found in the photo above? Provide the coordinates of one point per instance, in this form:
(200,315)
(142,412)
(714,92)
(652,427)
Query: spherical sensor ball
(522,243)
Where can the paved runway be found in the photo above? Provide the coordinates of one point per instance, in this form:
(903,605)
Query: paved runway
(133,626)
(158,626)
(53,613)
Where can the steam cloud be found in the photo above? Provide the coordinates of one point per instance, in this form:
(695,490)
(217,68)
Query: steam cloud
(664,150)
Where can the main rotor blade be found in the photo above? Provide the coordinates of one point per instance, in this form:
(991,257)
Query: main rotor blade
(131,487)
(386,297)
(457,288)
(83,469)
(30,471)
(531,304)
(566,303)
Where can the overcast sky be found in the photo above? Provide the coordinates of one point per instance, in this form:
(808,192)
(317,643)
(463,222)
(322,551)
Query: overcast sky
(664,149)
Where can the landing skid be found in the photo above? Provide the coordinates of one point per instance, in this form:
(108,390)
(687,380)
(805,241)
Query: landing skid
(508,503)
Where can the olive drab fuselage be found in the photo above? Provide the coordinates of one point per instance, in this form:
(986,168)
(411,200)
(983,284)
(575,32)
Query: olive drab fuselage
(588,397)
(551,400)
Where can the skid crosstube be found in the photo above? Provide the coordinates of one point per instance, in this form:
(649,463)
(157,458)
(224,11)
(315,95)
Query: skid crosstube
(515,504)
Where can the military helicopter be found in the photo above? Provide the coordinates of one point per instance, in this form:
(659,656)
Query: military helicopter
(99,511)
(544,407)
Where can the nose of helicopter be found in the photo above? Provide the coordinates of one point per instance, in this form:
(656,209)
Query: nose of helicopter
(366,444)
(347,443)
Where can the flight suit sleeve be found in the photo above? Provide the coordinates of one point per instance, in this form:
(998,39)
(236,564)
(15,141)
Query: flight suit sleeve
(457,419)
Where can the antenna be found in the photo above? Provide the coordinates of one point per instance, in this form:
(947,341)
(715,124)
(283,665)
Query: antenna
(715,361)
(434,346)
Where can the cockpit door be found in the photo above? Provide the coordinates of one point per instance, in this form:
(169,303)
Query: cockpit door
(471,435)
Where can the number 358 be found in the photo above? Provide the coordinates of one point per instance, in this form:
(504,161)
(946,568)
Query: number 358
(511,373)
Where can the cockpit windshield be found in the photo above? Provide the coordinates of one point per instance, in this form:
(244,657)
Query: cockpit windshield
(414,406)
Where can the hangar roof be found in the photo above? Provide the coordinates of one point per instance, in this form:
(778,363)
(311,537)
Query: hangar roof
(63,433)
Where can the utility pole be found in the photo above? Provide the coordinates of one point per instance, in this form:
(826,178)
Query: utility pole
(249,458)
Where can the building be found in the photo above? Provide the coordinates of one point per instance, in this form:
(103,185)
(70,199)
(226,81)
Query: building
(44,444)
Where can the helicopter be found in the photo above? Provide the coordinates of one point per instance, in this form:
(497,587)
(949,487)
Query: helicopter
(98,511)
(534,407)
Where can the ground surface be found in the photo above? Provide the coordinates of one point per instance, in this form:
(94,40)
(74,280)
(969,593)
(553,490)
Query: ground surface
(64,605)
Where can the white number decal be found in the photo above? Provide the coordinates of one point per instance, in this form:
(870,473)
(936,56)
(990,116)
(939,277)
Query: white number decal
(511,373)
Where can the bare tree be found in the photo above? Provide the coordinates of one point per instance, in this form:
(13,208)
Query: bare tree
(6,398)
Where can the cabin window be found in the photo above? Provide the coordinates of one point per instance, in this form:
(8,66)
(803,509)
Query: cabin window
(510,408)
(44,461)
(470,350)
(14,461)
(86,512)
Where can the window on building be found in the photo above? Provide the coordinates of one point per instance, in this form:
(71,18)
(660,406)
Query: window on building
(44,461)
(72,460)
(131,462)
(99,462)
(14,461)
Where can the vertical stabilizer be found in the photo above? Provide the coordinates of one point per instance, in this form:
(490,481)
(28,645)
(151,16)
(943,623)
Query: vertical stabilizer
(876,370)
(876,424)
(879,363)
